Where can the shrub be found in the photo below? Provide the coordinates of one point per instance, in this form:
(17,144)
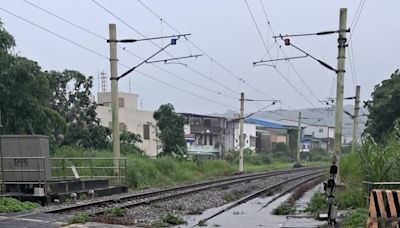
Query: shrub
(173,219)
(116,212)
(355,219)
(284,209)
(9,205)
(79,218)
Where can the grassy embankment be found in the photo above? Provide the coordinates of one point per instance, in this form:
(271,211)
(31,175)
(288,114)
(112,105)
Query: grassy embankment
(145,172)
(372,162)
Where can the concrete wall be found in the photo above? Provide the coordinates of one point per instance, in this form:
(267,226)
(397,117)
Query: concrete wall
(319,131)
(233,133)
(134,120)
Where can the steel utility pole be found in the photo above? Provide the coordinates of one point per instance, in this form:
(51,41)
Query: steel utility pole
(355,119)
(340,88)
(241,139)
(114,96)
(299,139)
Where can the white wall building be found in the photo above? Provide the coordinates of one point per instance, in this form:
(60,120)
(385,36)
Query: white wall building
(314,135)
(130,118)
(233,132)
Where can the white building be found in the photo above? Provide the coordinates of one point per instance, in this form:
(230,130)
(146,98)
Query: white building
(130,119)
(233,132)
(314,135)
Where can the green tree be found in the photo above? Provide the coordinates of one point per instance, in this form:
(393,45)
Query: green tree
(71,97)
(171,130)
(128,143)
(384,108)
(24,93)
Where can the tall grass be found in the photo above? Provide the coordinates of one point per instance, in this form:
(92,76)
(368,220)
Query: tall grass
(372,162)
(143,172)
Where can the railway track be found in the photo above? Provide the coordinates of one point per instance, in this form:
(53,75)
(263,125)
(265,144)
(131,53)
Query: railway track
(101,205)
(137,199)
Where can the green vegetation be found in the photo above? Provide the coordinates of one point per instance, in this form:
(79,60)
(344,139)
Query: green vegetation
(171,132)
(357,218)
(116,212)
(317,204)
(284,209)
(202,223)
(316,154)
(384,109)
(173,219)
(9,205)
(79,218)
(143,172)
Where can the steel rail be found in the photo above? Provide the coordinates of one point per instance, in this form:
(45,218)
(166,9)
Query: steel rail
(262,191)
(158,195)
(207,185)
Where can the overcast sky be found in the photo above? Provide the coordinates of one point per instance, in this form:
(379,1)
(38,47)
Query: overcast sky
(225,31)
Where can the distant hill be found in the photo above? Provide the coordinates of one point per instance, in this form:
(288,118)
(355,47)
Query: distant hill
(320,116)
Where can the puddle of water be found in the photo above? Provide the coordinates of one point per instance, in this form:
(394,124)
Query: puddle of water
(250,215)
(245,215)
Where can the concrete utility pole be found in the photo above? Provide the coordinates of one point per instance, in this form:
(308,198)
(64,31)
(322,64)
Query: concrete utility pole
(355,119)
(3,186)
(241,139)
(340,88)
(299,139)
(114,96)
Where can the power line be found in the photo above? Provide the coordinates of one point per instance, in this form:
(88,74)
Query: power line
(155,44)
(186,91)
(206,54)
(105,57)
(125,49)
(353,26)
(291,64)
(55,34)
(280,73)
(354,22)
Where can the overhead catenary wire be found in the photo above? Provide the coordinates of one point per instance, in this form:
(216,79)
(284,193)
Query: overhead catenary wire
(268,52)
(231,73)
(105,57)
(291,64)
(127,50)
(155,44)
(353,26)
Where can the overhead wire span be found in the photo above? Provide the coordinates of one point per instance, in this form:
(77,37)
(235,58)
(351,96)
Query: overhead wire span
(268,52)
(231,73)
(155,44)
(353,26)
(105,57)
(127,50)
(291,64)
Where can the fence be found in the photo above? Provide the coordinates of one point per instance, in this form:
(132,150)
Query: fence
(42,170)
(90,168)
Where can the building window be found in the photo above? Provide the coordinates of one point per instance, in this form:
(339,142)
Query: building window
(321,130)
(146,131)
(207,122)
(121,102)
(252,141)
